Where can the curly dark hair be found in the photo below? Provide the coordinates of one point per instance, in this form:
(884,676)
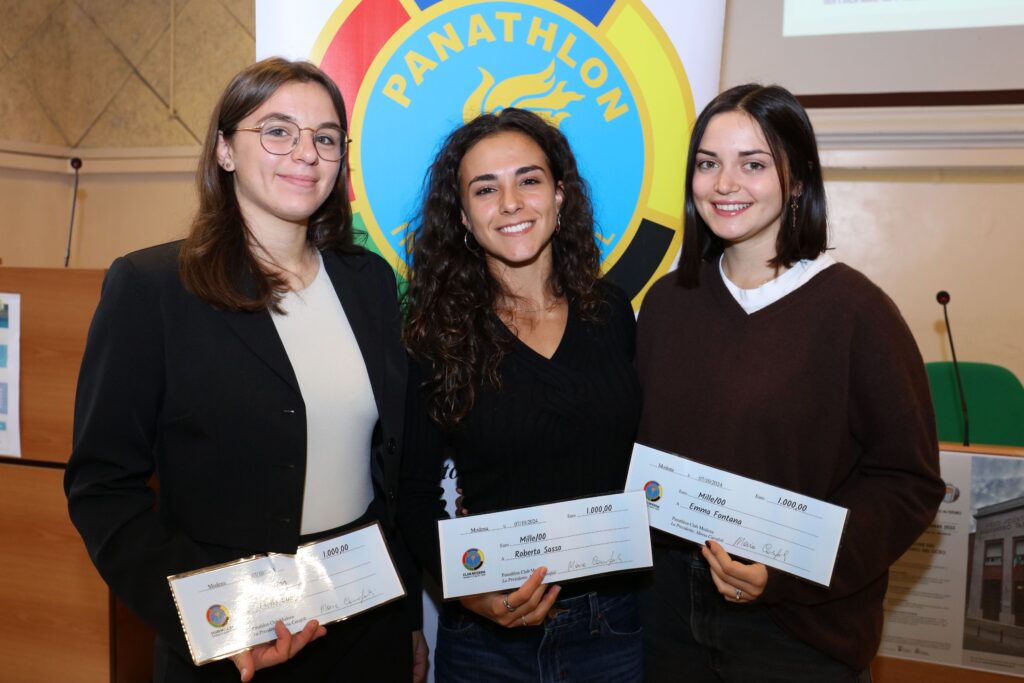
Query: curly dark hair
(216,262)
(452,328)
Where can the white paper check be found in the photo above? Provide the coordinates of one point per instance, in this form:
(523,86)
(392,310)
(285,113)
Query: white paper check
(760,522)
(573,539)
(228,608)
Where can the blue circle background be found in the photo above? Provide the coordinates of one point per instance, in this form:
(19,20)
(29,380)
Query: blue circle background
(401,142)
(473,560)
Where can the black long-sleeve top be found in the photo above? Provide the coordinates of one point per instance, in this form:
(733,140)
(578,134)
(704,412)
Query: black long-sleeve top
(556,429)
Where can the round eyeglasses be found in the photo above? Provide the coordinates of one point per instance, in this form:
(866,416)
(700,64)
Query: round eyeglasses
(281,137)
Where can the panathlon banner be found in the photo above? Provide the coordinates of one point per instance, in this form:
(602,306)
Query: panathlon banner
(623,79)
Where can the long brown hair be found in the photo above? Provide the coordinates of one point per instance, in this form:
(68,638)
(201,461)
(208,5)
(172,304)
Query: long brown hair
(216,262)
(451,328)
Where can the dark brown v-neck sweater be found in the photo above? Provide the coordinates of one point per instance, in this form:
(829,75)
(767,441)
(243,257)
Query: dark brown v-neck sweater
(822,392)
(557,429)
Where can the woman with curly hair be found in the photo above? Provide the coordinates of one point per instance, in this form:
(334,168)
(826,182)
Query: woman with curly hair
(523,368)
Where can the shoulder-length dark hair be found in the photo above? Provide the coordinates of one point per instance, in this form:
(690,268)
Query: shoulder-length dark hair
(216,261)
(452,295)
(790,137)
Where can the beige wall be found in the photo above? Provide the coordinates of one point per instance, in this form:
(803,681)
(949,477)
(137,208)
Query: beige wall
(126,85)
(111,73)
(131,204)
(920,200)
(917,231)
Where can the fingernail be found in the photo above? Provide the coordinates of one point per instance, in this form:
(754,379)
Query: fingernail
(708,544)
(245,672)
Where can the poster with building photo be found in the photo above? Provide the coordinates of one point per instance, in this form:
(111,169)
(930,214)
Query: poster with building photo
(10,373)
(994,624)
(957,596)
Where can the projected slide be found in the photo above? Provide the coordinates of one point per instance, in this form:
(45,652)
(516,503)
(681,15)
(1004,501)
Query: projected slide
(830,17)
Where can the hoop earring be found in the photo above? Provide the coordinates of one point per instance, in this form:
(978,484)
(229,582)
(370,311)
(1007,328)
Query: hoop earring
(794,206)
(465,240)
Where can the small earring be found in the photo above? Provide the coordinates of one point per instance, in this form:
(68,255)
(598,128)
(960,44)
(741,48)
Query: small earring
(228,166)
(465,241)
(558,222)
(794,206)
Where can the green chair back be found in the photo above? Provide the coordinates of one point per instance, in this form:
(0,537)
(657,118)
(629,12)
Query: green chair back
(995,403)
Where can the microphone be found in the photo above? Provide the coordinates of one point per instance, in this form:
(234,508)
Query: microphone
(943,298)
(76,164)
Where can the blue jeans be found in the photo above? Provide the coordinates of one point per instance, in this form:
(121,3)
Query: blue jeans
(589,638)
(692,634)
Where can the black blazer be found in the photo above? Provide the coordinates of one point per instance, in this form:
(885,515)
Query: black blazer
(207,401)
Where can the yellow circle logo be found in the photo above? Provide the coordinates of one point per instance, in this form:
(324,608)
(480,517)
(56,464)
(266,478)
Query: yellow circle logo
(602,70)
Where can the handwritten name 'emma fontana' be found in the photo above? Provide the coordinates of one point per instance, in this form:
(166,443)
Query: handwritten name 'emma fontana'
(714,500)
(536,538)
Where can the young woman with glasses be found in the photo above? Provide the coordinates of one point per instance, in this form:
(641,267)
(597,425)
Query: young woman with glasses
(255,370)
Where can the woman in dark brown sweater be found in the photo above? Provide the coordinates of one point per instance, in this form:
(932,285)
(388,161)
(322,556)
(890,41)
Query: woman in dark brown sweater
(764,357)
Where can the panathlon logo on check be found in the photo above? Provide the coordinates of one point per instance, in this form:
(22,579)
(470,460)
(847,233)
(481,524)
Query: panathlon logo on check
(603,71)
(653,491)
(217,616)
(473,559)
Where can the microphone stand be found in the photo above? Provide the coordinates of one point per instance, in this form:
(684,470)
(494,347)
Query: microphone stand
(943,298)
(76,164)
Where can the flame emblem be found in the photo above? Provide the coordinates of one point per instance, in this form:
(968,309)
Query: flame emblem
(537,92)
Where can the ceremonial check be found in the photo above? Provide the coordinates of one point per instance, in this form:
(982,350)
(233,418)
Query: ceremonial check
(757,521)
(230,607)
(573,539)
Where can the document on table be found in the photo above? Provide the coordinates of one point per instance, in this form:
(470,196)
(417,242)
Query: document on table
(754,520)
(228,608)
(573,539)
(10,374)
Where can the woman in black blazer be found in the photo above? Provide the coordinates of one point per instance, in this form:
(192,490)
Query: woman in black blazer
(198,373)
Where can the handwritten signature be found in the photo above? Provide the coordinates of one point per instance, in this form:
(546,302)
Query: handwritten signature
(347,601)
(596,561)
(780,554)
(768,550)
